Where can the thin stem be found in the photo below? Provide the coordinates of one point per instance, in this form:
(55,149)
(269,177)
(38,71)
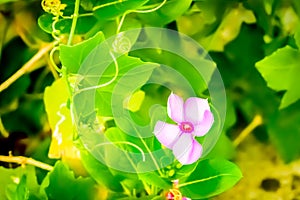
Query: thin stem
(51,57)
(26,67)
(128,143)
(104,5)
(107,83)
(153,9)
(149,151)
(24,160)
(138,11)
(121,22)
(257,121)
(74,21)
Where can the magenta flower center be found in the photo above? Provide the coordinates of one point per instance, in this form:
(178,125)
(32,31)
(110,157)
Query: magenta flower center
(186,127)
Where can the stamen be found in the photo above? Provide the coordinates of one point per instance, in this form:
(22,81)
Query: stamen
(186,127)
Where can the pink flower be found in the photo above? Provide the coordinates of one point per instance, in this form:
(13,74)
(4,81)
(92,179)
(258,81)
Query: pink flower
(193,118)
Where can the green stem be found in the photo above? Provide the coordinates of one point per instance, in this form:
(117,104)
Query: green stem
(74,21)
(149,151)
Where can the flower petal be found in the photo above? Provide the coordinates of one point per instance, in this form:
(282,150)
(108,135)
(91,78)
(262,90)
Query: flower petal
(187,150)
(194,109)
(175,107)
(167,134)
(203,127)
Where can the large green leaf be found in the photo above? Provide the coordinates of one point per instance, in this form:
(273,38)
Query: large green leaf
(18,192)
(20,183)
(132,73)
(281,70)
(72,56)
(154,179)
(284,130)
(59,117)
(100,173)
(9,176)
(211,177)
(62,184)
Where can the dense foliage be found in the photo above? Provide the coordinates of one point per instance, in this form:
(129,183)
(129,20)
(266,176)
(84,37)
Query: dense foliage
(43,47)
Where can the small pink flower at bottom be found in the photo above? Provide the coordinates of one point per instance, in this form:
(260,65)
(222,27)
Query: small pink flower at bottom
(193,118)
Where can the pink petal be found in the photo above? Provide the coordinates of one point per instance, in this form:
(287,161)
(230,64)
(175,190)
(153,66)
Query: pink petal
(194,109)
(175,108)
(187,150)
(167,134)
(203,127)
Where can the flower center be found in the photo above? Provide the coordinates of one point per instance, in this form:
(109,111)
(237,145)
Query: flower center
(186,127)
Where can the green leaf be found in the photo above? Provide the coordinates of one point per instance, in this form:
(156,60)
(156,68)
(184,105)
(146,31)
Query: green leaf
(59,116)
(152,177)
(20,183)
(171,10)
(284,131)
(84,24)
(211,177)
(72,56)
(18,192)
(137,74)
(61,184)
(111,9)
(100,172)
(280,70)
(9,176)
(45,22)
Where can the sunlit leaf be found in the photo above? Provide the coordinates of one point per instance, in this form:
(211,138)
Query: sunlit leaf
(9,176)
(137,74)
(20,183)
(19,191)
(153,178)
(211,177)
(73,56)
(100,172)
(62,184)
(280,70)
(59,117)
(170,11)
(112,9)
